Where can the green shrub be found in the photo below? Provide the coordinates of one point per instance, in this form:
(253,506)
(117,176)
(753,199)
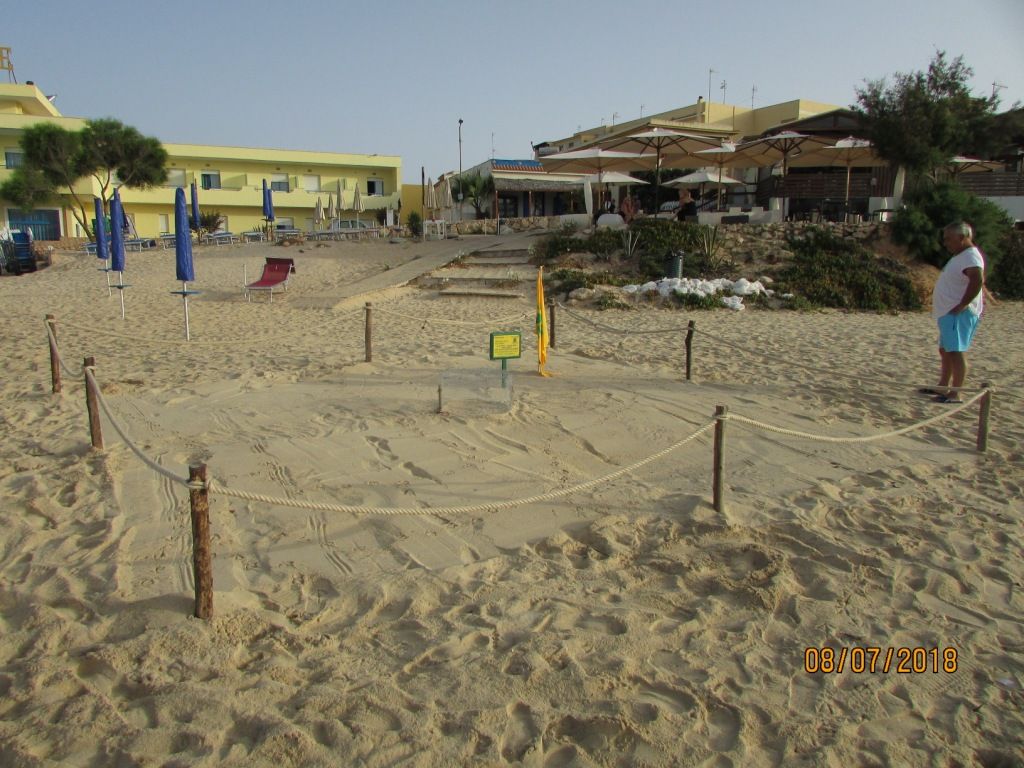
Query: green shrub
(603,243)
(569,280)
(663,236)
(1008,279)
(697,301)
(611,301)
(415,224)
(932,206)
(832,272)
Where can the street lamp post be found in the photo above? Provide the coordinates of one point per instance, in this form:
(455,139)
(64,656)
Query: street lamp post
(460,169)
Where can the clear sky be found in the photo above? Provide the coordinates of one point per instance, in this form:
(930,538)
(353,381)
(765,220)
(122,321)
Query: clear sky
(394,78)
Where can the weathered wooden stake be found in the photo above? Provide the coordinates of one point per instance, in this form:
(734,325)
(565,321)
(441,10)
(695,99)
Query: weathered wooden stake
(718,486)
(369,332)
(551,324)
(986,405)
(689,346)
(55,383)
(440,401)
(202,567)
(92,404)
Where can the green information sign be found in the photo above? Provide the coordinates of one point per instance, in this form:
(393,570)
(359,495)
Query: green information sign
(506,345)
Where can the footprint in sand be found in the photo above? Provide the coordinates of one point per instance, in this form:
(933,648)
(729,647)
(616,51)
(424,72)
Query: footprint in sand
(520,733)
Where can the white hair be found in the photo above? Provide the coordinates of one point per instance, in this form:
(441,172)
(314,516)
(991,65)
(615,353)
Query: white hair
(961,228)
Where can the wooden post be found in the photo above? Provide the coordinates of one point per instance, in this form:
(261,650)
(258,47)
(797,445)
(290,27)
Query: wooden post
(369,332)
(440,400)
(718,484)
(689,347)
(202,567)
(551,324)
(55,384)
(986,405)
(92,404)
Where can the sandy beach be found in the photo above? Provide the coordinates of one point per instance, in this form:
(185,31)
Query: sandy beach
(625,624)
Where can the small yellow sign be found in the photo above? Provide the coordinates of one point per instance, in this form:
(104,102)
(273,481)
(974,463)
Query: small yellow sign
(506,345)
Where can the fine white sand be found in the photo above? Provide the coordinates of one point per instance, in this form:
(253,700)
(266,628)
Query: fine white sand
(627,624)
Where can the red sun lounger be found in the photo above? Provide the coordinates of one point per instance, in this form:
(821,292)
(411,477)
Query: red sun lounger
(275,275)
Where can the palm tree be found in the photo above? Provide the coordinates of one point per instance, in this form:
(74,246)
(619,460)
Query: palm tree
(476,188)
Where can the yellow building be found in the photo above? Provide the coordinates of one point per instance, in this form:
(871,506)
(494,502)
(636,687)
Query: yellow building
(230,180)
(725,121)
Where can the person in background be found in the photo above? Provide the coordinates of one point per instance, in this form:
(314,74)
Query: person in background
(627,208)
(687,206)
(957,304)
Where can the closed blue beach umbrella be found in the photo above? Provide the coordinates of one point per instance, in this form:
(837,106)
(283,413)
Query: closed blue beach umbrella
(116,234)
(102,251)
(182,240)
(184,268)
(117,218)
(268,202)
(195,207)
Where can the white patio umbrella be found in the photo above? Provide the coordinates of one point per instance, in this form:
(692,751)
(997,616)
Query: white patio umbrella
(357,205)
(615,177)
(701,179)
(719,157)
(849,153)
(430,201)
(446,200)
(660,144)
(778,148)
(588,196)
(593,160)
(960,164)
(318,214)
(331,213)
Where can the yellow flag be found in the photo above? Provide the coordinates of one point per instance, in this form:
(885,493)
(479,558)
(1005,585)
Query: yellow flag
(542,325)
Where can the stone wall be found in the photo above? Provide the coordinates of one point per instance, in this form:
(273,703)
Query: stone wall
(767,242)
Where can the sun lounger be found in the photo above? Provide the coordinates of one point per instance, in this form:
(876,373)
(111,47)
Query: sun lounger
(275,275)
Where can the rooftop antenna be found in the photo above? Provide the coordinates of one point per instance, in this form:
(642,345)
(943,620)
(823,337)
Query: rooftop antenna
(7,64)
(710,73)
(492,145)
(996,87)
(753,92)
(614,115)
(641,110)
(722,86)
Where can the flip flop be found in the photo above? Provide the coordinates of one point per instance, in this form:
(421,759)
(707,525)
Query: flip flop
(929,391)
(944,399)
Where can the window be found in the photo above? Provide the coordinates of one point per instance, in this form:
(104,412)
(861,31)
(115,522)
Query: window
(311,183)
(165,225)
(210,179)
(285,222)
(375,186)
(175,178)
(279,182)
(14,159)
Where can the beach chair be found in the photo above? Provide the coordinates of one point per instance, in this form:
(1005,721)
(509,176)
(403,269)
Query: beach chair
(25,260)
(275,275)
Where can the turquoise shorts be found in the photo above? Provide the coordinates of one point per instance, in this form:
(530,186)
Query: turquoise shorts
(957,331)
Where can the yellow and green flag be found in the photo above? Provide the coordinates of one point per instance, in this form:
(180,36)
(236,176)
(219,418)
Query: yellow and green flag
(542,325)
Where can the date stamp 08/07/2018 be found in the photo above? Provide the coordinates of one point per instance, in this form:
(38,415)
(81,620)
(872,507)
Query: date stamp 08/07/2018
(902,660)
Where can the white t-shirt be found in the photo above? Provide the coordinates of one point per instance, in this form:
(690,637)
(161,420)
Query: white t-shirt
(950,287)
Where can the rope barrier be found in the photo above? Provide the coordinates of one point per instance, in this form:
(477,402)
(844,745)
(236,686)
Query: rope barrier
(755,353)
(127,441)
(215,487)
(193,343)
(865,439)
(56,349)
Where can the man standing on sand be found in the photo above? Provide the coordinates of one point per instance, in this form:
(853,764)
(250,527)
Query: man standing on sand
(957,303)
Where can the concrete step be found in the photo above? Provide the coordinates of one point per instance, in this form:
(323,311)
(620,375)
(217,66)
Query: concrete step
(488,261)
(502,253)
(497,293)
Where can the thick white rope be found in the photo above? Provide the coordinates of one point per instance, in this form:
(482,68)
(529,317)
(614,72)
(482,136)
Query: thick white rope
(276,338)
(755,353)
(865,439)
(56,349)
(135,449)
(215,487)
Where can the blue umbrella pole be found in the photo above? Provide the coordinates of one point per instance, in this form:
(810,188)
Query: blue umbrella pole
(184,296)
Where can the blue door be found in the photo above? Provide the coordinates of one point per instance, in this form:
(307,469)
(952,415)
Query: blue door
(45,223)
